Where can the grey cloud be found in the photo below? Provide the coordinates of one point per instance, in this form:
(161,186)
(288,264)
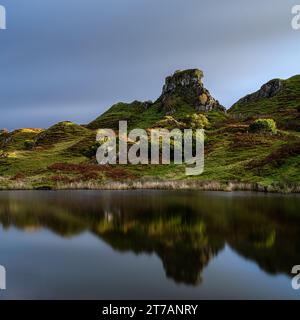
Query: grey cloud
(62,59)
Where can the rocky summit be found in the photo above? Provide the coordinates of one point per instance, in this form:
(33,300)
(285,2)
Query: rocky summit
(277,99)
(268,90)
(183,94)
(188,86)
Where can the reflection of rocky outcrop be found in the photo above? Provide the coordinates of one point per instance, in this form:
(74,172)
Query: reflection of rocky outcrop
(186,265)
(181,244)
(186,230)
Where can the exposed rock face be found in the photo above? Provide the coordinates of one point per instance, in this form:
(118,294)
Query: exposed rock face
(268,90)
(188,86)
(3,131)
(147,104)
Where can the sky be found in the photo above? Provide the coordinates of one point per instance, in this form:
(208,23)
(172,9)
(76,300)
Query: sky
(72,59)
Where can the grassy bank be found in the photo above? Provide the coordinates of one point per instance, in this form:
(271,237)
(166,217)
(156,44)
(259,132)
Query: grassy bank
(154,185)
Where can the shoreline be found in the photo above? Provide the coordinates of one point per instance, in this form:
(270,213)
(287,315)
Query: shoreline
(229,186)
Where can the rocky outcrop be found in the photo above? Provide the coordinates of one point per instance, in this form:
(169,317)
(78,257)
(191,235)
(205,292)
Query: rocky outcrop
(187,85)
(3,131)
(268,90)
(147,104)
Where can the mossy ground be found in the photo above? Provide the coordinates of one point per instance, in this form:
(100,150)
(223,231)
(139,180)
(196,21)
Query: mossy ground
(229,155)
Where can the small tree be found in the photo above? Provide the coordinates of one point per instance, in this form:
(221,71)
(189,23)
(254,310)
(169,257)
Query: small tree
(263,126)
(198,121)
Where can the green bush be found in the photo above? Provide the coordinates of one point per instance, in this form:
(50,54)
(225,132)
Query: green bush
(28,144)
(3,154)
(298,109)
(91,151)
(198,121)
(263,126)
(168,122)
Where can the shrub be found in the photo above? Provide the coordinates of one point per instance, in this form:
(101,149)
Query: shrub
(198,121)
(263,126)
(28,144)
(3,154)
(91,151)
(170,123)
(298,108)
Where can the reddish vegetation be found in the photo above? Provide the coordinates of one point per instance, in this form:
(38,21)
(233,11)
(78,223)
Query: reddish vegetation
(18,176)
(278,157)
(249,141)
(61,178)
(234,128)
(90,171)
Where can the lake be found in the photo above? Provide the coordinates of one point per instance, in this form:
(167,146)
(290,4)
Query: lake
(148,244)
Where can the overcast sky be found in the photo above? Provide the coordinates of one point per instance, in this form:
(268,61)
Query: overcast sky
(72,59)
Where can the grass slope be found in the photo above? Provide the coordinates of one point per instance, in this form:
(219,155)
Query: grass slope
(284,107)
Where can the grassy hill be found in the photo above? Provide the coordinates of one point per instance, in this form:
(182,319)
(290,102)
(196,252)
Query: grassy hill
(283,107)
(137,114)
(235,157)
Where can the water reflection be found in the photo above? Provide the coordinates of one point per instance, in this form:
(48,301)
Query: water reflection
(185,229)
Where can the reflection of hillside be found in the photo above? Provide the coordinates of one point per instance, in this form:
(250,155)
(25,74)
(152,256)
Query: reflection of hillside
(185,229)
(24,215)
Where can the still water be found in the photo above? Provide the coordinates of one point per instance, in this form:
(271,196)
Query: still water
(148,245)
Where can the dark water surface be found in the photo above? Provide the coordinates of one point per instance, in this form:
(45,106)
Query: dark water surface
(148,244)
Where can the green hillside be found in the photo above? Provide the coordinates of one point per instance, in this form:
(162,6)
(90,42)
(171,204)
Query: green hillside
(283,107)
(137,114)
(238,154)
